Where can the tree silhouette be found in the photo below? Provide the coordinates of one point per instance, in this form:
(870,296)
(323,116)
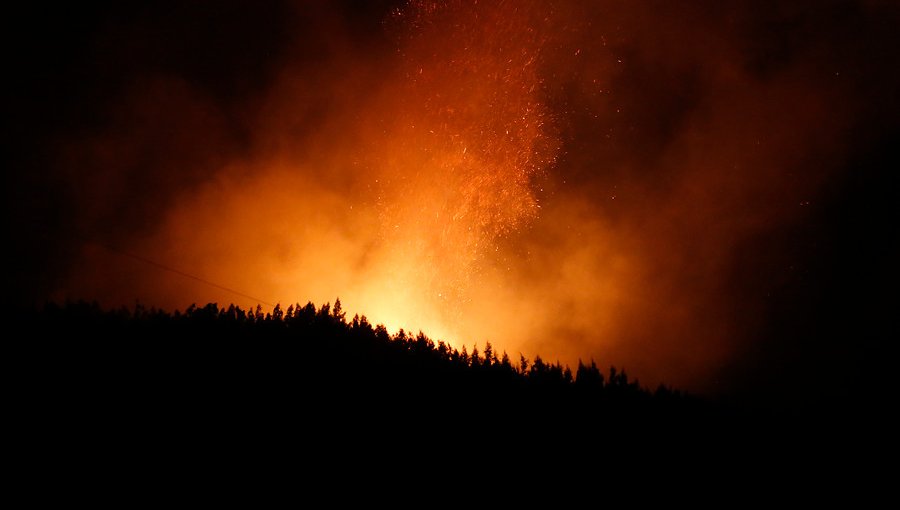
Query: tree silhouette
(308,364)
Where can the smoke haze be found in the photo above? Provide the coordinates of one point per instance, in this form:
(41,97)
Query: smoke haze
(630,182)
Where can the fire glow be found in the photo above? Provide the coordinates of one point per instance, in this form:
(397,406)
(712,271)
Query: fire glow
(500,172)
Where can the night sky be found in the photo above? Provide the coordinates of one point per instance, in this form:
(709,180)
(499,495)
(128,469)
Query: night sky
(702,192)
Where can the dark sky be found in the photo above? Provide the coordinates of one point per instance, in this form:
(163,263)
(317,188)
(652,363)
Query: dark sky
(737,159)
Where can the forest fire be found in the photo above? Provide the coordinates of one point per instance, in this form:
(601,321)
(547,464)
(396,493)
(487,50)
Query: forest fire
(581,180)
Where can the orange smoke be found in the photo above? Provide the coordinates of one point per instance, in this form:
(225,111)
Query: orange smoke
(572,180)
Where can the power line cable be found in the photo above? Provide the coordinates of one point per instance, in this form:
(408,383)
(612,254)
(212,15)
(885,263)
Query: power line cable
(180,273)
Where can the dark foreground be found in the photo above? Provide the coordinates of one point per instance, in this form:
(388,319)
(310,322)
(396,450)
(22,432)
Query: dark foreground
(220,386)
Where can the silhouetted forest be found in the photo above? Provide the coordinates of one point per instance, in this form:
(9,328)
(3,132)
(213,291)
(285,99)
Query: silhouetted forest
(307,363)
(308,386)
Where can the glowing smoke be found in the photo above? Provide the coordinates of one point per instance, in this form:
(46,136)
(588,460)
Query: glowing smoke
(574,179)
